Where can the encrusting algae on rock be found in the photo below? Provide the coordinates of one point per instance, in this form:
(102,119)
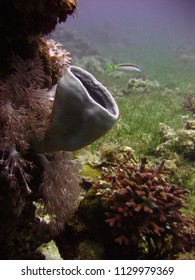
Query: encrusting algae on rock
(181,141)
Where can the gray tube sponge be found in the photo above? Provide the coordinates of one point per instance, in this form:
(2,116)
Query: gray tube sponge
(83,110)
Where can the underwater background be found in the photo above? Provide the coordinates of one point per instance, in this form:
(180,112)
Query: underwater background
(159,37)
(67,67)
(156,105)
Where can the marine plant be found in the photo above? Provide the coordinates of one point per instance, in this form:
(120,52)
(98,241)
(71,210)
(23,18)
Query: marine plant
(143,211)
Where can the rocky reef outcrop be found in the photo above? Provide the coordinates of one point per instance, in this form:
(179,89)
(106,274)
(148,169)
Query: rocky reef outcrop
(27,73)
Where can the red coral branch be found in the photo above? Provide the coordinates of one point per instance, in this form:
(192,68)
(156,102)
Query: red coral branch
(143,206)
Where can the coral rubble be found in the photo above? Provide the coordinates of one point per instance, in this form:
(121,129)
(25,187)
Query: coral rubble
(181,141)
(141,86)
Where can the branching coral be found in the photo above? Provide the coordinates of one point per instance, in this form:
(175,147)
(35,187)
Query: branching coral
(143,210)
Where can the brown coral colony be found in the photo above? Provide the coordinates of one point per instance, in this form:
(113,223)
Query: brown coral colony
(141,205)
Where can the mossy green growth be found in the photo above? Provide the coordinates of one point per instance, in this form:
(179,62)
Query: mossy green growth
(89,171)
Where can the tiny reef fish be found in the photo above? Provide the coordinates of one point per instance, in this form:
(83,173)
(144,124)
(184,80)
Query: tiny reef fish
(149,202)
(122,67)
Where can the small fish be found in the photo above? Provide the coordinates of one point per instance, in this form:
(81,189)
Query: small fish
(149,202)
(122,67)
